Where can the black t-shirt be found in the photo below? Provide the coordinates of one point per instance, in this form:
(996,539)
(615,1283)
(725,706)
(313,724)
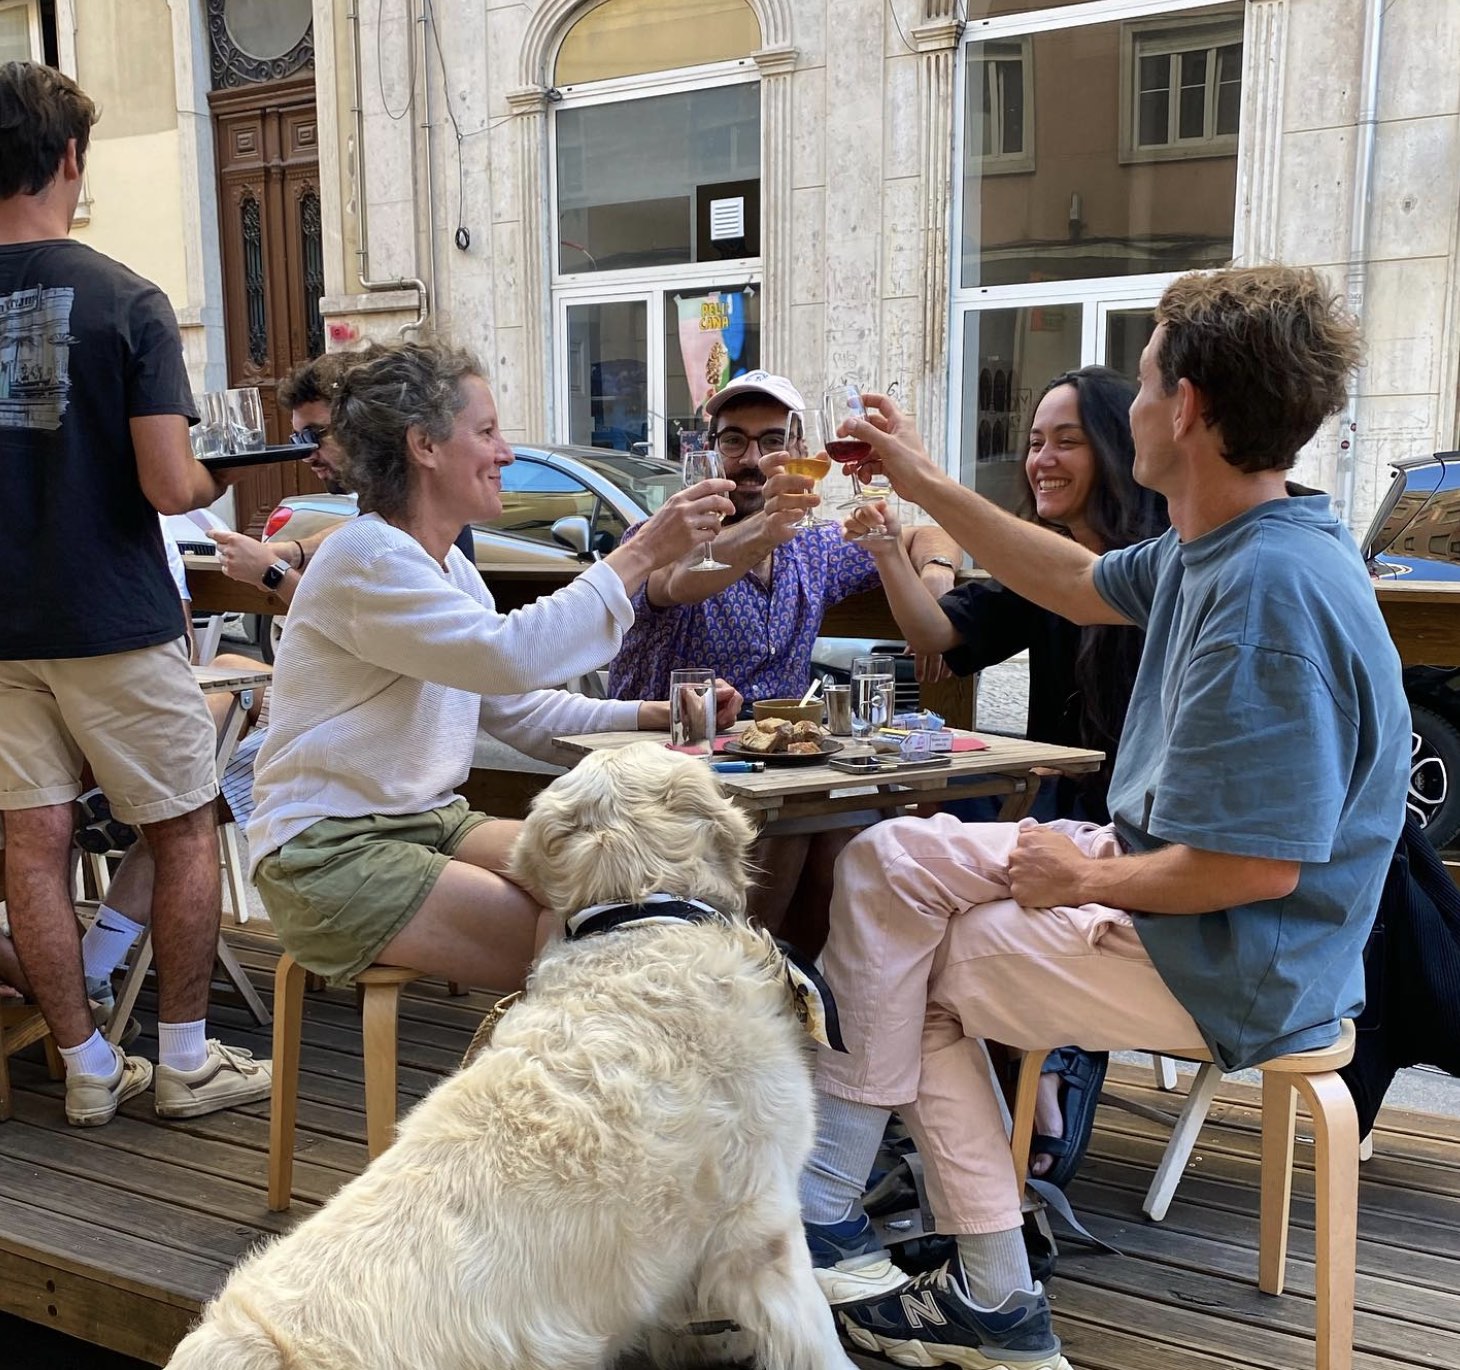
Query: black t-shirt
(467,543)
(85,345)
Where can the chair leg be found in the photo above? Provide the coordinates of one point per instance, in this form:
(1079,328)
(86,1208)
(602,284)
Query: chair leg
(284,1106)
(242,983)
(1336,1179)
(381,1008)
(1366,1148)
(456,990)
(233,871)
(1026,1095)
(55,1066)
(315,984)
(1164,1069)
(1279,1122)
(1183,1141)
(6,1107)
(131,988)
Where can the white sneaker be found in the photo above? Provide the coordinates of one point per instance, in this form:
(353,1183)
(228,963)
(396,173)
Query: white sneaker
(860,1277)
(229,1077)
(92,1100)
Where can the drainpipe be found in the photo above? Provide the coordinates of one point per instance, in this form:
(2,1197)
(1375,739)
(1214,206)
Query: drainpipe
(362,252)
(1358,250)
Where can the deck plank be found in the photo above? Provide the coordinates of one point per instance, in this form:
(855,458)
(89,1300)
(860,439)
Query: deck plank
(119,1234)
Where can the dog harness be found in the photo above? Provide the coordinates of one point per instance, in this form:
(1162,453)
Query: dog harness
(811,997)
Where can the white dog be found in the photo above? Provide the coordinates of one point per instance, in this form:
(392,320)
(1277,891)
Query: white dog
(625,1149)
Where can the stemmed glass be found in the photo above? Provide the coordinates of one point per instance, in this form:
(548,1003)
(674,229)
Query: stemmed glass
(806,454)
(842,404)
(699,461)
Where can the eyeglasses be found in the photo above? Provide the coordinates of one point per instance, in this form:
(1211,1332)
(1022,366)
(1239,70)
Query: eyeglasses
(311,435)
(733,443)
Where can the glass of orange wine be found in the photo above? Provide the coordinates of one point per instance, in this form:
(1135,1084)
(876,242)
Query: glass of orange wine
(806,454)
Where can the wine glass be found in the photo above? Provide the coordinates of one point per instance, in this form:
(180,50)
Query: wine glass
(699,461)
(844,403)
(806,454)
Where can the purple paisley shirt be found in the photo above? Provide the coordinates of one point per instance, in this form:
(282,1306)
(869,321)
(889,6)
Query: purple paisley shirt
(758,638)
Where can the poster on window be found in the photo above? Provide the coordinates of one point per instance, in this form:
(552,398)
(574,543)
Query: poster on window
(712,341)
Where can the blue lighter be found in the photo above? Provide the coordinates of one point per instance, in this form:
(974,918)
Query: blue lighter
(736,767)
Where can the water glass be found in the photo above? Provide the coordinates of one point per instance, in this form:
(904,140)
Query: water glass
(209,435)
(692,711)
(873,694)
(245,416)
(838,710)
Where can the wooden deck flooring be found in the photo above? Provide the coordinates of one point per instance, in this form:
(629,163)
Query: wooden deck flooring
(118,1235)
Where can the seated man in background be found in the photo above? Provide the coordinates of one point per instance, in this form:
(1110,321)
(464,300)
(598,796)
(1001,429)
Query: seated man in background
(755,623)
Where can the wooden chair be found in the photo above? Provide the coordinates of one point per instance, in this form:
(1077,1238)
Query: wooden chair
(20,1025)
(379,988)
(1314,1076)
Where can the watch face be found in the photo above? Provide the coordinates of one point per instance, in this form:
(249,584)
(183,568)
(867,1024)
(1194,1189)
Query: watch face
(272,577)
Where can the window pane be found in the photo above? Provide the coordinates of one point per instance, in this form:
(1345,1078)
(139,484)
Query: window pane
(15,35)
(986,9)
(1008,356)
(629,37)
(1229,90)
(1192,123)
(636,179)
(535,496)
(1011,102)
(608,362)
(1090,200)
(1127,331)
(710,338)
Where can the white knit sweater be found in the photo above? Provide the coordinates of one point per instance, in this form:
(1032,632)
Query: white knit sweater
(388,666)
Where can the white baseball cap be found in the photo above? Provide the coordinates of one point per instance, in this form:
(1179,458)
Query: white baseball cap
(776,388)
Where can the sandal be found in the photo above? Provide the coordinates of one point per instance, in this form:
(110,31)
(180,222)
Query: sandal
(1081,1074)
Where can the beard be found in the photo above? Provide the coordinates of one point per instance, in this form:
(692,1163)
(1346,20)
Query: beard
(748,496)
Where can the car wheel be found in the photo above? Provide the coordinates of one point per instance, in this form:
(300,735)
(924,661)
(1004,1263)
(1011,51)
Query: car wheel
(1434,775)
(267,629)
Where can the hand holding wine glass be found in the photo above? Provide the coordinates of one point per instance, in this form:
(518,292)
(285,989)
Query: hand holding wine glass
(806,454)
(700,461)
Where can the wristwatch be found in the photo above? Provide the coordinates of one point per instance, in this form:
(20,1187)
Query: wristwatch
(274,576)
(936,561)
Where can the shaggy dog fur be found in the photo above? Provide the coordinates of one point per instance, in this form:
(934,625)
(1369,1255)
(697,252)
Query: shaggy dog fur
(625,1151)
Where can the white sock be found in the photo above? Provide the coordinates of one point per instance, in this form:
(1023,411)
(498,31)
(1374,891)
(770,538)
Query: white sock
(93,1057)
(847,1137)
(995,1265)
(182,1046)
(107,941)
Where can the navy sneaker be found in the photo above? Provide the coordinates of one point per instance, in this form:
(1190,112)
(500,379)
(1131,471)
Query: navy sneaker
(932,1321)
(849,1261)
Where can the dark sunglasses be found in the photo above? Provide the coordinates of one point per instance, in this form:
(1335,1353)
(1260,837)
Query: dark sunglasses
(311,435)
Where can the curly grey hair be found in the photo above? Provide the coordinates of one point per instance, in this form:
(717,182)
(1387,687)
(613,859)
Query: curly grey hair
(405,386)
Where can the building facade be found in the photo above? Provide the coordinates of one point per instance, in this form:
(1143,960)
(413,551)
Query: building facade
(620,203)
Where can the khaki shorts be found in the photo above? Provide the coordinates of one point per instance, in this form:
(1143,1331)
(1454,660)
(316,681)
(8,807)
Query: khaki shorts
(138,717)
(339,892)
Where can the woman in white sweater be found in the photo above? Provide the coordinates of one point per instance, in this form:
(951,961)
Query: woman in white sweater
(395,655)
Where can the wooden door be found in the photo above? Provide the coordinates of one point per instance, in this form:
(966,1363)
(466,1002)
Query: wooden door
(273,260)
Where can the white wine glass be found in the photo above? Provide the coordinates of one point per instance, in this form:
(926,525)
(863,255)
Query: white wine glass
(699,461)
(806,454)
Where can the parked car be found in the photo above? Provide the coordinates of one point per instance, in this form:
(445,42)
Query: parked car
(1415,534)
(561,507)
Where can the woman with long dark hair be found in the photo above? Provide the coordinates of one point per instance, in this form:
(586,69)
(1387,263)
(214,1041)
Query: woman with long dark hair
(1079,467)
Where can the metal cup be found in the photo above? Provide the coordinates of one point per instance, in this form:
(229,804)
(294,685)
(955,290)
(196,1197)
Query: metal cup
(839,710)
(692,710)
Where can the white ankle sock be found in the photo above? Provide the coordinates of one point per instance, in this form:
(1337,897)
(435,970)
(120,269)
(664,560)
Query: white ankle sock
(182,1046)
(93,1057)
(107,941)
(847,1137)
(995,1265)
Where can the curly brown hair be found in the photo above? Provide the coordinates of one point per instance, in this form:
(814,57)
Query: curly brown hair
(1271,348)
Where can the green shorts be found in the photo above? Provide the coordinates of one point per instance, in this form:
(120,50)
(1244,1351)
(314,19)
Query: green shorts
(341,890)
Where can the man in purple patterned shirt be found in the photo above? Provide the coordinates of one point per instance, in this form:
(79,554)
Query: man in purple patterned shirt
(754,623)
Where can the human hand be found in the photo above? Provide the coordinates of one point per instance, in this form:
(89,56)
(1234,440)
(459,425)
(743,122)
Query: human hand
(241,557)
(686,520)
(727,703)
(897,450)
(929,668)
(875,517)
(1046,869)
(786,497)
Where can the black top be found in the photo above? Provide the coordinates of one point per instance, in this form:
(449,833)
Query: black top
(467,543)
(85,345)
(995,624)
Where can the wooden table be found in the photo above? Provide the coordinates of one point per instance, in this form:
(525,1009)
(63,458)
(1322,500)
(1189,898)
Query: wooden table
(807,796)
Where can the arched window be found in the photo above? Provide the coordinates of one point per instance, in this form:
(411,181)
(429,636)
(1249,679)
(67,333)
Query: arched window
(656,147)
(634,37)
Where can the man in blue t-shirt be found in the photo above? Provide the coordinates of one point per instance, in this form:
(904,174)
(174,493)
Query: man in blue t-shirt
(94,414)
(1256,800)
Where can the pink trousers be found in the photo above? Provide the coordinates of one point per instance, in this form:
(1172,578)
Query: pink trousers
(928,955)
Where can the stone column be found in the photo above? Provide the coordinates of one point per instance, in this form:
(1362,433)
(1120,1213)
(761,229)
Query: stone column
(936,41)
(529,105)
(1255,231)
(776,66)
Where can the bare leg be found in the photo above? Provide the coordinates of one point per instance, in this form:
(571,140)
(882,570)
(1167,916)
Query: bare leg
(130,892)
(12,977)
(187,910)
(778,862)
(475,926)
(809,916)
(43,917)
(1048,1120)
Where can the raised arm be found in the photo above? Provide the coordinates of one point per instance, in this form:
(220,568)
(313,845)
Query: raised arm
(1043,566)
(914,602)
(174,480)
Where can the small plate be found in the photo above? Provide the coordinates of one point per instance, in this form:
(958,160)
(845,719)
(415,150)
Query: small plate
(828,748)
(280,451)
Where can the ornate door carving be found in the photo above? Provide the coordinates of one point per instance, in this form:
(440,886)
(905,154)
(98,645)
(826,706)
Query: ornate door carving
(273,261)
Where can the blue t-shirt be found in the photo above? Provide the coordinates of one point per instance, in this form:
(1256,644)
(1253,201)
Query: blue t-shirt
(1268,719)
